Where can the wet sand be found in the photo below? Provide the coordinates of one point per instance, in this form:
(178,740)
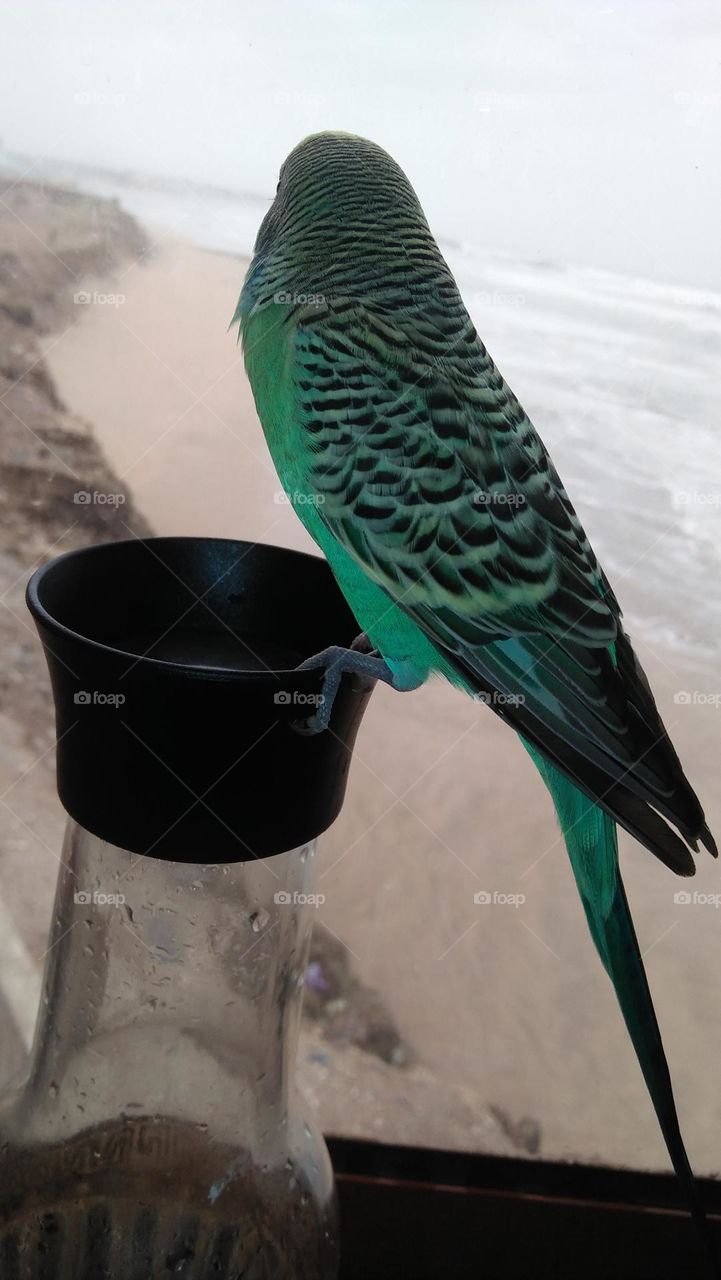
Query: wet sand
(507,1000)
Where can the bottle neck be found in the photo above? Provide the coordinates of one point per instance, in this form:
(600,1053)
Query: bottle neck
(170,988)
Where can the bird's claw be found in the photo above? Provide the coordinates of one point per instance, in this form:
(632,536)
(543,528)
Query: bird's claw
(337,662)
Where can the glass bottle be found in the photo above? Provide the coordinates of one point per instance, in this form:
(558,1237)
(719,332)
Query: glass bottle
(159,1133)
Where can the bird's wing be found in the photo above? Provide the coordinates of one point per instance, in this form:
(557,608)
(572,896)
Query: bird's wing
(431,475)
(427,461)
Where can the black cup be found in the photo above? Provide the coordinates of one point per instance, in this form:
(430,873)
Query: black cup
(177,698)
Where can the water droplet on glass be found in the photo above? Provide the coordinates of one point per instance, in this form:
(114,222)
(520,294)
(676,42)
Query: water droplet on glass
(259,920)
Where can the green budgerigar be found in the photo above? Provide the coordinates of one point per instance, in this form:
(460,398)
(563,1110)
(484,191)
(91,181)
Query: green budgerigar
(418,473)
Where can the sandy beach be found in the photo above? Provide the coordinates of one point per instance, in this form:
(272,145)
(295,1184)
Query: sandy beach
(505,1005)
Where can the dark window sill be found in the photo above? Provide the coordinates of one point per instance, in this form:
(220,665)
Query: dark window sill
(414,1214)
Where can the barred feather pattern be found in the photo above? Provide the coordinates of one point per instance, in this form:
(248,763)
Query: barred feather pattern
(381,398)
(417,444)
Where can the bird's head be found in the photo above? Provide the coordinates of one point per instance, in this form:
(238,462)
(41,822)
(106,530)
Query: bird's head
(341,202)
(334,186)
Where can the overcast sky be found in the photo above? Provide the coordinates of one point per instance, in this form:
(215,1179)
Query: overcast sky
(565,130)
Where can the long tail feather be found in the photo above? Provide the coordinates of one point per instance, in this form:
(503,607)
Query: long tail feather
(590,836)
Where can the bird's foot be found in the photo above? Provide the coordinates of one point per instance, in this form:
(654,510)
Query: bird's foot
(360,660)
